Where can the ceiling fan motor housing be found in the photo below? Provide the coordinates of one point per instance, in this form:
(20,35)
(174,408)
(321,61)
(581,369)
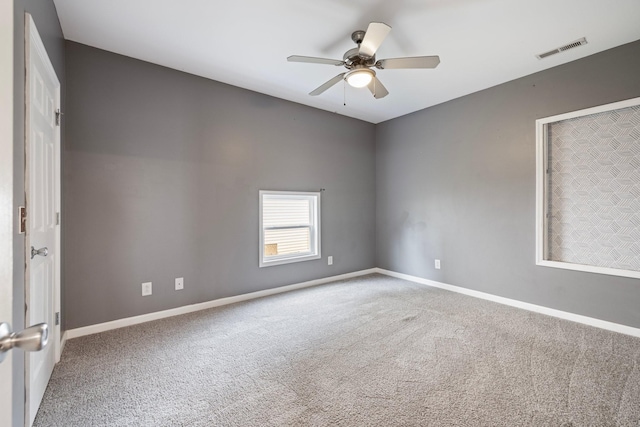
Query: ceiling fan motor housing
(353,59)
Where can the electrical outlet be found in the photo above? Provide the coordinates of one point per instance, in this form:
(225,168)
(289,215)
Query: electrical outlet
(146,289)
(330,260)
(179,283)
(437,264)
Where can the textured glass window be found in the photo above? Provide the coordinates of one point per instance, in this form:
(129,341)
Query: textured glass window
(593,190)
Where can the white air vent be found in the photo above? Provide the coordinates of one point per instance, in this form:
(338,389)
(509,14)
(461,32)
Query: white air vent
(568,46)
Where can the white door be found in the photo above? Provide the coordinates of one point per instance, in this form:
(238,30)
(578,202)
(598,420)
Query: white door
(41,173)
(6,199)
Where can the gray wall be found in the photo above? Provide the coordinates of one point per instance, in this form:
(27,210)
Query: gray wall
(46,19)
(456,182)
(162,176)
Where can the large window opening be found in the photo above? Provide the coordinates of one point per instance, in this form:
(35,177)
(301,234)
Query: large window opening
(588,190)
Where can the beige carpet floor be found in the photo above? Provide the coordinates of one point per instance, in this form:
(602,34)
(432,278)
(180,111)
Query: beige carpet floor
(372,351)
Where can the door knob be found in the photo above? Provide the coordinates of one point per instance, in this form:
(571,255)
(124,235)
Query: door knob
(34,338)
(42,251)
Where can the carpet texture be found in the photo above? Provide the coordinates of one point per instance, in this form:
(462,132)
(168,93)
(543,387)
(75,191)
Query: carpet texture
(372,351)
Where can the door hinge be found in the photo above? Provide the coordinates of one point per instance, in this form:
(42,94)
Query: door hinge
(57,318)
(57,218)
(22,215)
(58,116)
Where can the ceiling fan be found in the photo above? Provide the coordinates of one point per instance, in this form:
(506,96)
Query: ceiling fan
(361,59)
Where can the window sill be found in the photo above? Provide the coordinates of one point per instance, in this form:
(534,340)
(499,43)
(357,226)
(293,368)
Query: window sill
(289,260)
(590,268)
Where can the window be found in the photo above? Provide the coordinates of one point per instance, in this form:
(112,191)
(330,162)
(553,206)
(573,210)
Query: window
(588,190)
(289,227)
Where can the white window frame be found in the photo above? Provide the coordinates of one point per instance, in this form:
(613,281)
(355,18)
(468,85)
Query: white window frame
(542,157)
(315,253)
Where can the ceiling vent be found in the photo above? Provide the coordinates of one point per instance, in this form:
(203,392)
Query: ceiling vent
(577,43)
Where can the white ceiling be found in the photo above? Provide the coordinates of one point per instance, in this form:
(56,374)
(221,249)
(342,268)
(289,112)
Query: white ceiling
(245,43)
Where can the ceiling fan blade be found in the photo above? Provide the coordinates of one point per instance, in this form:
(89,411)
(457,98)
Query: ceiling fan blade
(377,88)
(312,60)
(327,85)
(413,62)
(373,38)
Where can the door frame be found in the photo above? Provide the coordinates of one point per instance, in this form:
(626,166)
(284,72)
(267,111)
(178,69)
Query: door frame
(33,42)
(6,202)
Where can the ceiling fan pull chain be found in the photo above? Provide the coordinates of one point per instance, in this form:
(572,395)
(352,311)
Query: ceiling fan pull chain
(344,91)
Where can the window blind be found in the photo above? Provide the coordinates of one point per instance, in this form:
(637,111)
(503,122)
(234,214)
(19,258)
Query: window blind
(287,223)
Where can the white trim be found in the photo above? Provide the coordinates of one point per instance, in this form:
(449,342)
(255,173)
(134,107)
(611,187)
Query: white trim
(590,268)
(593,110)
(578,318)
(7,213)
(541,186)
(129,321)
(63,341)
(541,182)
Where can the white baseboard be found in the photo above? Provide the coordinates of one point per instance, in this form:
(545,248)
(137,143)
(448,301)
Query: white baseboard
(63,341)
(602,324)
(129,321)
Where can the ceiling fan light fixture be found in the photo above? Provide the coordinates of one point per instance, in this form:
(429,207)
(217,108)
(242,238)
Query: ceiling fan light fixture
(360,77)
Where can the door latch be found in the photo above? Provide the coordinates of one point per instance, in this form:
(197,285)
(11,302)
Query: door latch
(22,215)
